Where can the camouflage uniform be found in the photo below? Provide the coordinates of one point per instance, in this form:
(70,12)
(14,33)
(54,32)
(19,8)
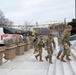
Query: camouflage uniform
(20,39)
(35,43)
(49,49)
(66,44)
(40,45)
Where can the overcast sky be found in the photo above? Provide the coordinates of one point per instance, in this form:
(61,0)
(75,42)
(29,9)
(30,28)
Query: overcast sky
(42,11)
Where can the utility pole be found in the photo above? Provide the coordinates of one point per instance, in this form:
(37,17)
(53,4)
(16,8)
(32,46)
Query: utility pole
(36,24)
(64,21)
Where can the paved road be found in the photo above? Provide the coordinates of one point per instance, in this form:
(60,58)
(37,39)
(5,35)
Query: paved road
(27,65)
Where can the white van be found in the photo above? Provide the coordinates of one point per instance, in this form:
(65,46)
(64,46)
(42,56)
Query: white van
(6,36)
(1,33)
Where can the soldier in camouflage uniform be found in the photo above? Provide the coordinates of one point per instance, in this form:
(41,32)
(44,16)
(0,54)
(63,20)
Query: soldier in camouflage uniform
(35,43)
(66,43)
(40,45)
(20,39)
(49,43)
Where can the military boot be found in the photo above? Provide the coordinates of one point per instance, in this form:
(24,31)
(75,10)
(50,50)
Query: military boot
(46,58)
(69,54)
(62,59)
(51,62)
(59,54)
(41,60)
(36,57)
(58,57)
(67,58)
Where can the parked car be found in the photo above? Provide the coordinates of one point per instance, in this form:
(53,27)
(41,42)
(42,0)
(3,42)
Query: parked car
(73,41)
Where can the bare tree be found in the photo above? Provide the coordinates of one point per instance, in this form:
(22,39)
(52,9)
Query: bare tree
(27,26)
(4,21)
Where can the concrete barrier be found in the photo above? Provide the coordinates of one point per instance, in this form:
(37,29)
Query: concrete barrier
(10,52)
(20,49)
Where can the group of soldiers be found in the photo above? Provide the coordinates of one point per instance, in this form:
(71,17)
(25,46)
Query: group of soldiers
(50,45)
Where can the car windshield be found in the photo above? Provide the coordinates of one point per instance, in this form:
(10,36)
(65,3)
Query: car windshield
(72,38)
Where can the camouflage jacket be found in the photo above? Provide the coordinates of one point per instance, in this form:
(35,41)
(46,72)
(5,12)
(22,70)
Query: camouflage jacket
(60,39)
(35,42)
(40,43)
(66,37)
(50,42)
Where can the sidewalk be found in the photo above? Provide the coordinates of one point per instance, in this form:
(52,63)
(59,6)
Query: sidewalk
(27,65)
(24,65)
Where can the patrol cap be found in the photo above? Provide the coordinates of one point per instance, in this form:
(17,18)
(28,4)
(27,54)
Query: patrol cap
(50,34)
(41,36)
(69,26)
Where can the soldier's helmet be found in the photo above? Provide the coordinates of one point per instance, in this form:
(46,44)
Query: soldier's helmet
(50,34)
(69,26)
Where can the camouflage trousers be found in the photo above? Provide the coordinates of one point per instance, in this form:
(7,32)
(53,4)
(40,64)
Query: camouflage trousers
(40,53)
(59,53)
(35,49)
(66,50)
(49,56)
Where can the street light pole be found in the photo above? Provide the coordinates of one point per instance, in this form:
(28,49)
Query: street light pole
(64,21)
(36,24)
